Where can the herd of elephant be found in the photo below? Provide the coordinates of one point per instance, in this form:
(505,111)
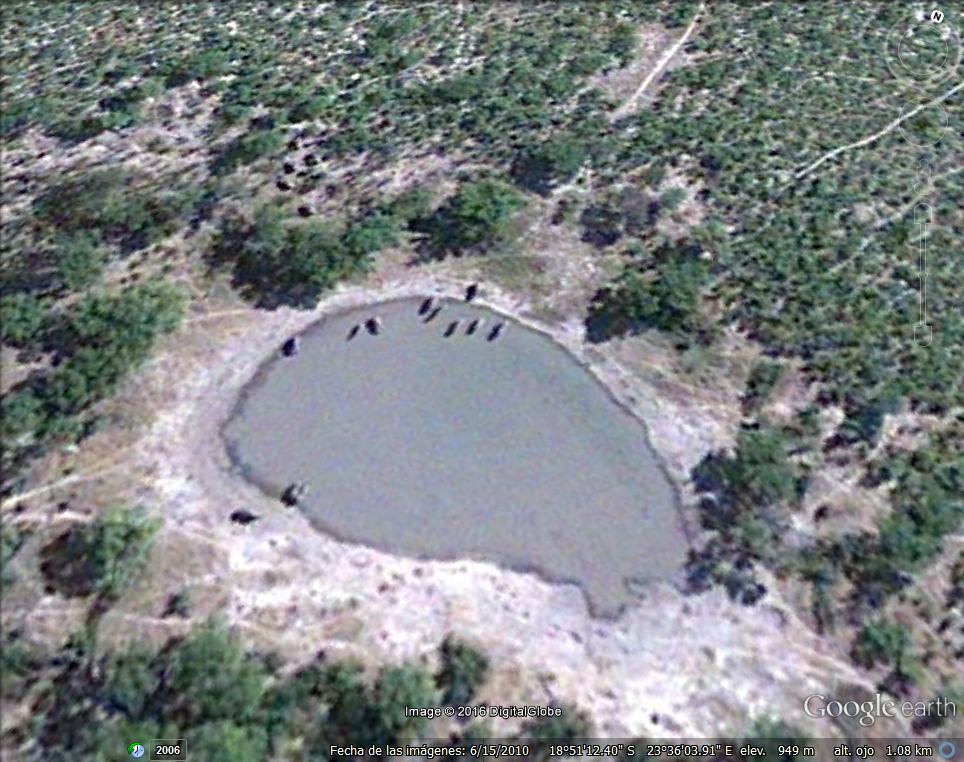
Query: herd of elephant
(428,310)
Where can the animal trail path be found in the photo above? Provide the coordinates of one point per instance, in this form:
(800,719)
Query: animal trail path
(630,104)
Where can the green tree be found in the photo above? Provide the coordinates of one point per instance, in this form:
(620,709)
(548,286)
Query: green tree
(372,233)
(666,298)
(11,539)
(409,206)
(395,689)
(622,42)
(208,678)
(108,204)
(131,680)
(22,415)
(476,219)
(775,734)
(672,198)
(105,556)
(278,262)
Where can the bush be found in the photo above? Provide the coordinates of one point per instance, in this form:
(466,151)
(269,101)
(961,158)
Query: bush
(884,642)
(764,376)
(22,413)
(540,168)
(370,234)
(927,506)
(462,670)
(101,339)
(246,149)
(80,259)
(672,198)
(476,219)
(396,689)
(104,338)
(205,64)
(226,703)
(747,497)
(105,204)
(10,541)
(225,741)
(21,319)
(602,225)
(409,206)
(622,43)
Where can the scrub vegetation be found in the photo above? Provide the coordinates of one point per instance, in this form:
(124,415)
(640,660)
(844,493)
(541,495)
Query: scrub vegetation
(230,704)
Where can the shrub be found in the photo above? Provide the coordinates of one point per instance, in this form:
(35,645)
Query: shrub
(102,339)
(540,168)
(764,376)
(197,66)
(104,556)
(106,205)
(226,741)
(672,198)
(80,259)
(21,318)
(370,234)
(22,413)
(409,206)
(276,262)
(395,689)
(10,541)
(462,670)
(602,225)
(246,149)
(883,642)
(226,703)
(748,495)
(622,43)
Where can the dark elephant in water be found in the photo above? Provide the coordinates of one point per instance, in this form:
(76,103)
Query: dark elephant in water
(426,306)
(452,328)
(294,493)
(471,292)
(373,325)
(290,347)
(496,331)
